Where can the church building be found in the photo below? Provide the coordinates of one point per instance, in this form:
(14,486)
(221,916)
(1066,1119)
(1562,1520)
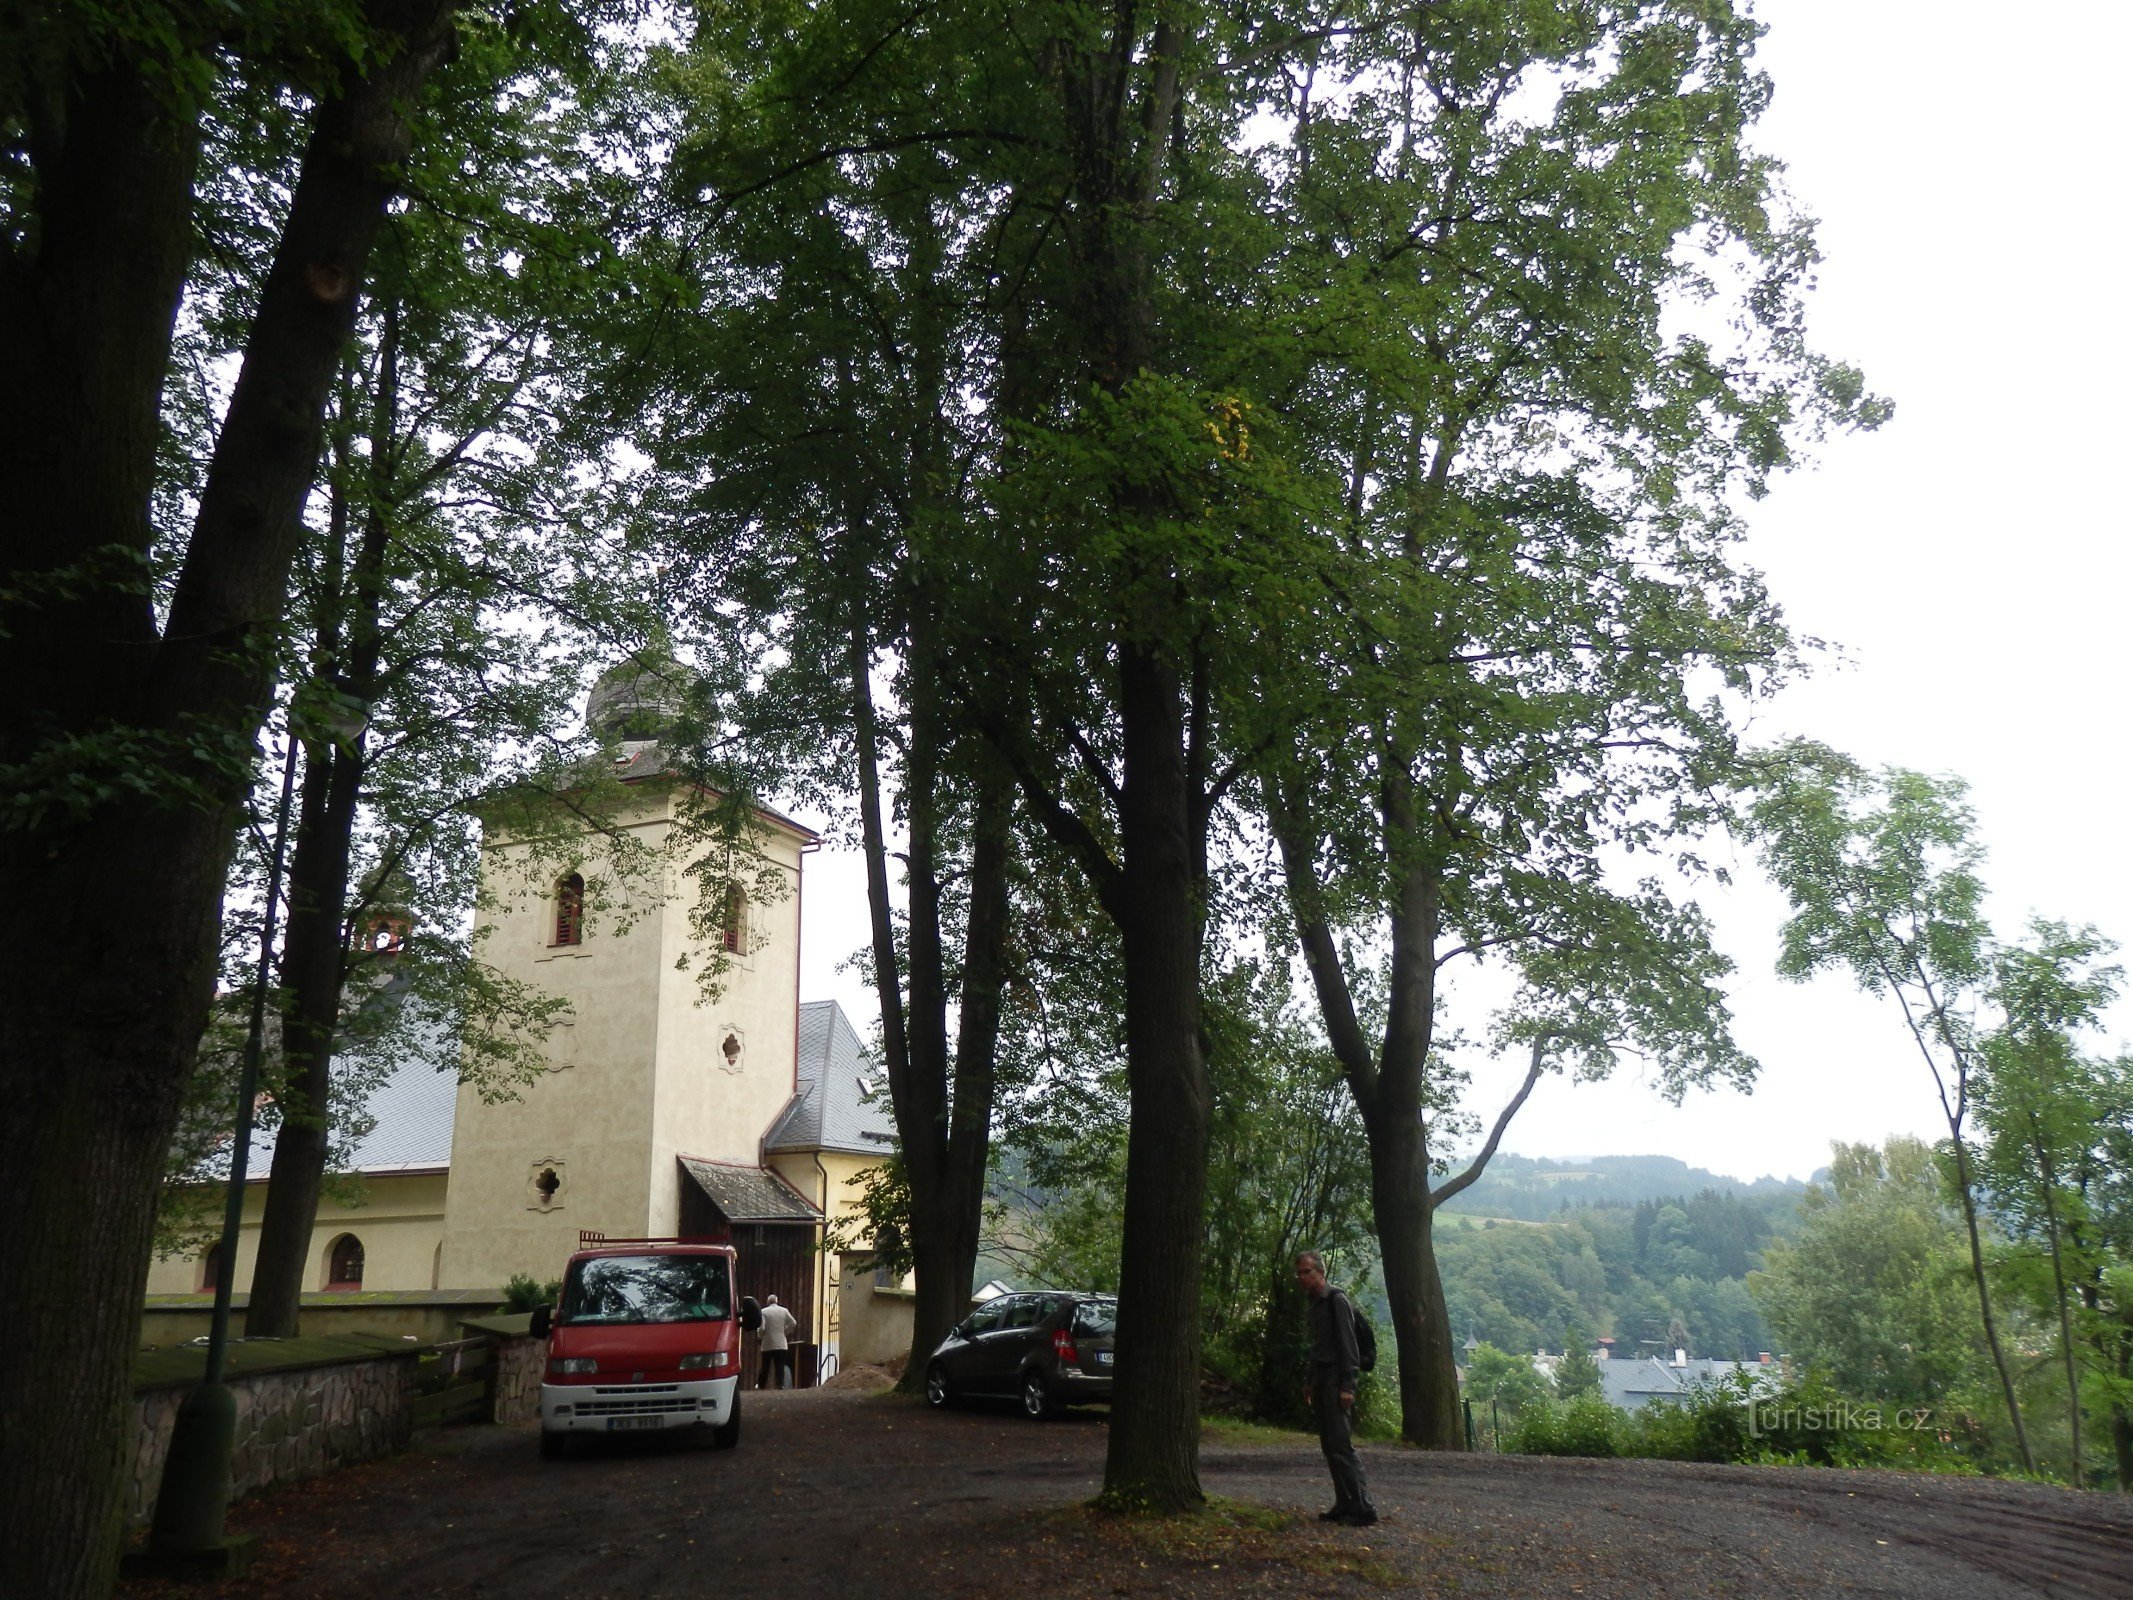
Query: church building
(664,1109)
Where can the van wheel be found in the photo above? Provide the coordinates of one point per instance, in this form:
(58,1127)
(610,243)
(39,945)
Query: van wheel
(728,1433)
(554,1445)
(938,1392)
(1036,1398)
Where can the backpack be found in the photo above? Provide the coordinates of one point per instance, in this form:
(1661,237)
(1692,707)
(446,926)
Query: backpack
(1366,1339)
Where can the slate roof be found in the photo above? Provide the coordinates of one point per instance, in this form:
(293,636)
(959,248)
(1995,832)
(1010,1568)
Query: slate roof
(748,1194)
(410,1112)
(835,1108)
(1634,1384)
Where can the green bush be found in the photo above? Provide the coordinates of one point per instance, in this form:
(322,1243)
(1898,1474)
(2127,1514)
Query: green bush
(1584,1426)
(525,1293)
(1804,1423)
(1377,1405)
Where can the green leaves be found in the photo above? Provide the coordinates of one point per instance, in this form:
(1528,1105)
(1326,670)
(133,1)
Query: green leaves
(1881,870)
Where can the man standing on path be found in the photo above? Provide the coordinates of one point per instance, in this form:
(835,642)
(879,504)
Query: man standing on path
(1332,1392)
(775,1338)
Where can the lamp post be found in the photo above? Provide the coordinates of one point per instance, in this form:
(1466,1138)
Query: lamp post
(195,1494)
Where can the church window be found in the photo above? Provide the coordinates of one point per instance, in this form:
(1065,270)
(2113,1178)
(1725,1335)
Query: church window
(344,1263)
(211,1268)
(570,910)
(733,924)
(547,1184)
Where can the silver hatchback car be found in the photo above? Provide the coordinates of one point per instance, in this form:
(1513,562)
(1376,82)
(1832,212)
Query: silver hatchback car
(1047,1348)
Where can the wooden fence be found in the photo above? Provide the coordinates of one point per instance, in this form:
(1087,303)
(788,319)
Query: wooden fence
(455,1382)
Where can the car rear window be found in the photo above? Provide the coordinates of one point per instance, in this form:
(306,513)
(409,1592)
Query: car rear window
(1096,1318)
(648,1289)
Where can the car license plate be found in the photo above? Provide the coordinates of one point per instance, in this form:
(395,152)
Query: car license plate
(614,1423)
(1103,1358)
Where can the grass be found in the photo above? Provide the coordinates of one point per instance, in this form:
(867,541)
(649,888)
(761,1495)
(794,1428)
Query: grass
(1248,1435)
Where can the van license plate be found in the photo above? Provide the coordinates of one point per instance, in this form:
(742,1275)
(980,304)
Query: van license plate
(1103,1358)
(614,1423)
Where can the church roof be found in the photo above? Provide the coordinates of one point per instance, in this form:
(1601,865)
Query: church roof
(748,1194)
(840,1105)
(410,1111)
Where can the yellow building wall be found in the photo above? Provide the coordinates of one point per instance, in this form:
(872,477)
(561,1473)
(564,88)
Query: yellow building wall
(868,1324)
(399,1218)
(874,1323)
(706,1102)
(638,1073)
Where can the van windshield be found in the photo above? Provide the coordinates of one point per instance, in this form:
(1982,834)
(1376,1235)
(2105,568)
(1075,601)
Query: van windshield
(648,1289)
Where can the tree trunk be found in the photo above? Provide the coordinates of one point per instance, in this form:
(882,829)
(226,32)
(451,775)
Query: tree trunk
(2046,1181)
(1984,1295)
(315,949)
(2121,1411)
(1429,1370)
(123,840)
(1153,1460)
(944,1128)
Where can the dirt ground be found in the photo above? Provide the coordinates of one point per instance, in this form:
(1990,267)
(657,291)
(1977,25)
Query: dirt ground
(842,1491)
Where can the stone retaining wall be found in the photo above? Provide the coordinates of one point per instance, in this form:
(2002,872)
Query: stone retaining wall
(290,1425)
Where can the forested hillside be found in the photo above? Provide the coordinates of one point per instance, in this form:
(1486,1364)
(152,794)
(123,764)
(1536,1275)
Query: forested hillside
(1644,1249)
(1534,1190)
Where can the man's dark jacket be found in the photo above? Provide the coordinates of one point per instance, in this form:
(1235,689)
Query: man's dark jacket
(1333,1354)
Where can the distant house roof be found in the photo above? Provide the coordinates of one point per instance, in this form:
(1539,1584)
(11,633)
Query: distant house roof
(837,1106)
(748,1194)
(1634,1384)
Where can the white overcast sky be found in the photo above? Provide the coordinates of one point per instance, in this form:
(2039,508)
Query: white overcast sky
(1972,558)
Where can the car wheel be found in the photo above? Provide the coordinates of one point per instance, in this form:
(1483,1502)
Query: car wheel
(1036,1398)
(554,1446)
(938,1390)
(728,1433)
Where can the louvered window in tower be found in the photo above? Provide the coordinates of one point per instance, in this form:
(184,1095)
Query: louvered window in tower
(570,910)
(733,929)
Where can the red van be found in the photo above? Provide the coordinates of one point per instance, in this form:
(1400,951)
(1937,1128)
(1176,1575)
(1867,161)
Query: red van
(648,1336)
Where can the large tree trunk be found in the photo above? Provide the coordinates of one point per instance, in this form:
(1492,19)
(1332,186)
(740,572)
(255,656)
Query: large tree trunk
(1153,1460)
(1388,1087)
(121,841)
(1429,1372)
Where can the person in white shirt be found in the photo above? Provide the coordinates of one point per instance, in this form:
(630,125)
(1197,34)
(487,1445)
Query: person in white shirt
(774,1338)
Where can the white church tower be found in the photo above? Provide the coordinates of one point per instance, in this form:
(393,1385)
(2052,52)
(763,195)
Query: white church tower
(652,1118)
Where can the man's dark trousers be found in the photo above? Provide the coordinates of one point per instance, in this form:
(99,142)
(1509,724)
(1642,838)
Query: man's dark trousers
(1351,1491)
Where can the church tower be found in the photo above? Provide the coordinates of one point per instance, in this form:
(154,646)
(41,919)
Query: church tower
(648,1080)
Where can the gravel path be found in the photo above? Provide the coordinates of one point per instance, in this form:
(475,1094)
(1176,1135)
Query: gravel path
(837,1492)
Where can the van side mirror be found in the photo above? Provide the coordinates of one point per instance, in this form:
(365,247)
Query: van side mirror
(751,1314)
(542,1321)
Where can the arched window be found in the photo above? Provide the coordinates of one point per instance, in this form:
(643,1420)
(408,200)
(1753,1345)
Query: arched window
(385,936)
(211,1268)
(733,925)
(344,1263)
(570,910)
